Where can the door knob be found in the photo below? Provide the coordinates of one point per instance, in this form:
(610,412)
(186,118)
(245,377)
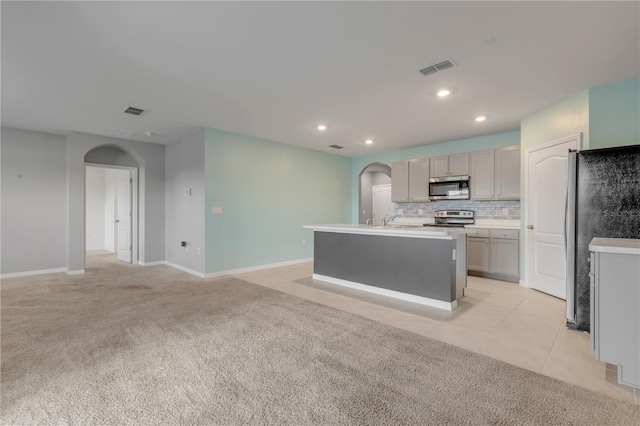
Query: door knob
(529,226)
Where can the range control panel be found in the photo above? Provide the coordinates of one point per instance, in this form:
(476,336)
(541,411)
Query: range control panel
(454,213)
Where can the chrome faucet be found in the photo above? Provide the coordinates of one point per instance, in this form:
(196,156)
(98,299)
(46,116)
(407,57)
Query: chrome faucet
(386,221)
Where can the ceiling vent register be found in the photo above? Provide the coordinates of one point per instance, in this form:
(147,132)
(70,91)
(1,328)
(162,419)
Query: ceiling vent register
(336,146)
(133,111)
(440,66)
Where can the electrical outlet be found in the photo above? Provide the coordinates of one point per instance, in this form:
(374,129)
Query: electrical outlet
(400,211)
(420,211)
(216,210)
(304,242)
(505,212)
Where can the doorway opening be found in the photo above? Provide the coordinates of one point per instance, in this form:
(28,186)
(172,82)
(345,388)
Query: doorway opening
(374,175)
(111,216)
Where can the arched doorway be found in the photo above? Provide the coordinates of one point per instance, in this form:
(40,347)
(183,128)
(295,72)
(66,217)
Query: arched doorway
(111,203)
(374,177)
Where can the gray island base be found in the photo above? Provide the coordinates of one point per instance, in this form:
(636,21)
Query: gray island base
(425,265)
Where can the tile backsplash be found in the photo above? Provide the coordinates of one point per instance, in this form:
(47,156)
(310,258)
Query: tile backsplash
(483,209)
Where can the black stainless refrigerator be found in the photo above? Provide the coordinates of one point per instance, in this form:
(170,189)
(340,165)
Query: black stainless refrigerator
(603,200)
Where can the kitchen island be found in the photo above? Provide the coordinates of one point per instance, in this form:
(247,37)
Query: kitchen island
(425,265)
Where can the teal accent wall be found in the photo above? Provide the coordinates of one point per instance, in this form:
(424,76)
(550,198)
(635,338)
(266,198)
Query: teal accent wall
(268,191)
(614,114)
(481,143)
(565,118)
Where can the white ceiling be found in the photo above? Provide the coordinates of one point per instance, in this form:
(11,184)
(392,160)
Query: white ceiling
(276,70)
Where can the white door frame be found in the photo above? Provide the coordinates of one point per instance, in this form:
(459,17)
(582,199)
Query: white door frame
(528,241)
(134,205)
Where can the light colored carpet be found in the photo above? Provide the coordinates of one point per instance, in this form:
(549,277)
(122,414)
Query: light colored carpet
(132,345)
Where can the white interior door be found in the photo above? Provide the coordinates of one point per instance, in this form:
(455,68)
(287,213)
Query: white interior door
(545,200)
(123,216)
(382,205)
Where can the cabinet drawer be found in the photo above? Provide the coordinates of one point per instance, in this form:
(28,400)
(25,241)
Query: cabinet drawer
(507,234)
(478,233)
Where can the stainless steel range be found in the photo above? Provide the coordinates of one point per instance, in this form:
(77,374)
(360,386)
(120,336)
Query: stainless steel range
(457,218)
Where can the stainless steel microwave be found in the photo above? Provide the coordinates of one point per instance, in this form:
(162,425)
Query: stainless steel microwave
(449,188)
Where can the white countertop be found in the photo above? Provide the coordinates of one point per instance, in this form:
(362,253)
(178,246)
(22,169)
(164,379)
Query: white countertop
(615,245)
(443,233)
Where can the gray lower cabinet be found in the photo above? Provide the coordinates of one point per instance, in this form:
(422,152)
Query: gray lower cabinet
(615,317)
(478,254)
(494,253)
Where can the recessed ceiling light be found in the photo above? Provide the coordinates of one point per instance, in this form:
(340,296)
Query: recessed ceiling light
(322,127)
(368,141)
(444,92)
(481,118)
(148,133)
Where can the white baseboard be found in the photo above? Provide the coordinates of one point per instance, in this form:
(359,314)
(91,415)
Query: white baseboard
(187,270)
(29,273)
(257,268)
(449,306)
(159,262)
(523,284)
(76,272)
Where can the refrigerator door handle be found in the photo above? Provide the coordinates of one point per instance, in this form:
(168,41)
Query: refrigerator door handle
(569,234)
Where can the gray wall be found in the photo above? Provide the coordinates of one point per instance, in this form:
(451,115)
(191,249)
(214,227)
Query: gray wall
(33,196)
(151,202)
(95,227)
(185,214)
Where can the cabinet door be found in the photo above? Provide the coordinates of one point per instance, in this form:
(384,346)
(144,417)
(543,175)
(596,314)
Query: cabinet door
(419,179)
(507,183)
(478,254)
(504,257)
(459,164)
(400,181)
(482,175)
(439,166)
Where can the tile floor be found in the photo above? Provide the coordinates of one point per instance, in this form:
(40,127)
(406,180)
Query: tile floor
(499,319)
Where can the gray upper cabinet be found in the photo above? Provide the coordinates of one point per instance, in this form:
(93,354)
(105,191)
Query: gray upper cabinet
(439,166)
(495,174)
(449,165)
(410,181)
(507,173)
(459,164)
(419,179)
(481,178)
(400,181)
